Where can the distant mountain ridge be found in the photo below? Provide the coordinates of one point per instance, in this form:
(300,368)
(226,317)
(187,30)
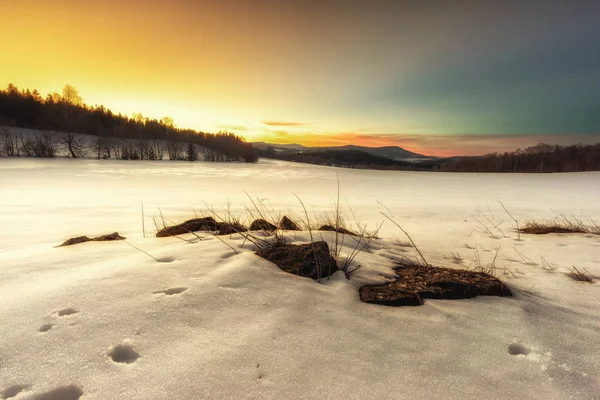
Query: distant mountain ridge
(392,152)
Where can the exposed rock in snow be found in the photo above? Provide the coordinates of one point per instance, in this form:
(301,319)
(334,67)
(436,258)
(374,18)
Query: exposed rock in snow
(300,259)
(226,228)
(287,224)
(416,283)
(331,228)
(192,225)
(103,238)
(262,225)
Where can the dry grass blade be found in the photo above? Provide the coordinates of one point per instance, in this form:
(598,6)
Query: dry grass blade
(546,265)
(404,243)
(456,258)
(362,242)
(143,220)
(514,219)
(407,235)
(594,227)
(526,260)
(142,251)
(581,276)
(312,240)
(490,226)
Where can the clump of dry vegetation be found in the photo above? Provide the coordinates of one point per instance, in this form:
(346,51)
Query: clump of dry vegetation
(270,232)
(562,224)
(581,276)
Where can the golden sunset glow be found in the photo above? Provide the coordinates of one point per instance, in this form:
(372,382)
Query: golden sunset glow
(288,71)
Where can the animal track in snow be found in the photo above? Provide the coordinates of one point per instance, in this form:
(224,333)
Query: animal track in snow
(123,353)
(67,311)
(171,291)
(69,392)
(516,349)
(13,391)
(45,328)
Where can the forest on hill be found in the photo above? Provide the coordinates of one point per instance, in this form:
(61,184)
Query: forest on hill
(65,117)
(539,158)
(346,158)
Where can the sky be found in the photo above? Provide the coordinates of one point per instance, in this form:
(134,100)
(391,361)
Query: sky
(434,77)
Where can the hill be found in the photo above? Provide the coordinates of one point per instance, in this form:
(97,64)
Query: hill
(392,152)
(344,158)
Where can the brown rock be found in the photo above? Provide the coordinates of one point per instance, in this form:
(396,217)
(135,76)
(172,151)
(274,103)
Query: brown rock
(339,230)
(300,259)
(416,283)
(386,295)
(109,237)
(225,228)
(192,225)
(83,239)
(75,240)
(288,225)
(262,225)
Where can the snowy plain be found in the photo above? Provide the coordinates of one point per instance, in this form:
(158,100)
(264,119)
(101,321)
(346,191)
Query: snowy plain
(207,323)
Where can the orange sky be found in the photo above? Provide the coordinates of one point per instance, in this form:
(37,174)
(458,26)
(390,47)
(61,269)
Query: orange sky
(279,71)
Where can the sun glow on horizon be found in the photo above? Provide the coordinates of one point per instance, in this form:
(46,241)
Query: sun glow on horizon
(396,74)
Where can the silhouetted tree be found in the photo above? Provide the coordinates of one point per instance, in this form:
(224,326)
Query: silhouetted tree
(192,153)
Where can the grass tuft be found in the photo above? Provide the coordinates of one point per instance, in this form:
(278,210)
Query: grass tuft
(581,276)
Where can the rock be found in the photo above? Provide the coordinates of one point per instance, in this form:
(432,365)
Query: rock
(75,240)
(387,295)
(225,228)
(288,225)
(262,225)
(192,225)
(416,283)
(109,237)
(339,230)
(102,238)
(300,259)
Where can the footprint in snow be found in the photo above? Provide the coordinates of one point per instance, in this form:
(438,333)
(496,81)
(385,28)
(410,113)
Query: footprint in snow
(171,291)
(45,328)
(66,311)
(13,391)
(123,353)
(530,353)
(516,349)
(69,392)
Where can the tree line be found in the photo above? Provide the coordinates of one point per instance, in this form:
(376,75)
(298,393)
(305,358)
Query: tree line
(64,117)
(538,158)
(344,158)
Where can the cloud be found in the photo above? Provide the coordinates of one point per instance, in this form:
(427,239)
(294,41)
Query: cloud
(282,123)
(233,127)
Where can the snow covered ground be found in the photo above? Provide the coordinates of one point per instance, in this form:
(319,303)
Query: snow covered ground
(206,323)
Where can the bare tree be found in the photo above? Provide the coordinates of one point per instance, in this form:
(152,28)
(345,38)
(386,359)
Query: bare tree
(159,149)
(70,98)
(74,143)
(9,143)
(175,151)
(44,145)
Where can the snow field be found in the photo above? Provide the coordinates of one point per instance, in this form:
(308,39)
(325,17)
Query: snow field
(103,320)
